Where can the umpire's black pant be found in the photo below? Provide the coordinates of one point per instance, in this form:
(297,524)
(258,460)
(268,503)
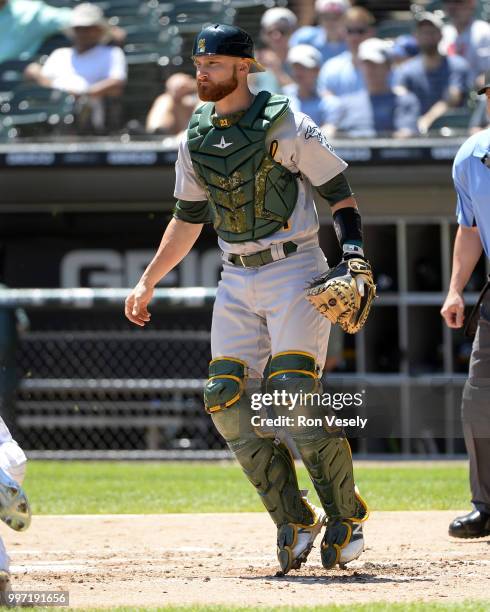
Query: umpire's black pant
(476,411)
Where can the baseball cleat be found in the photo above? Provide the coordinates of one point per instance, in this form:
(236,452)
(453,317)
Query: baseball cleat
(4,581)
(342,543)
(14,507)
(294,542)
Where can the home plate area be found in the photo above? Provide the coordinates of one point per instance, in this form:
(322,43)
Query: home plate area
(149,560)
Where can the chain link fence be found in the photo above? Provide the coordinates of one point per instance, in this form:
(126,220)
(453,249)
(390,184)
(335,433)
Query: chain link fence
(87,380)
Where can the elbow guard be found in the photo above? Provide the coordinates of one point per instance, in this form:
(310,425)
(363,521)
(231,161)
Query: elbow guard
(335,190)
(192,212)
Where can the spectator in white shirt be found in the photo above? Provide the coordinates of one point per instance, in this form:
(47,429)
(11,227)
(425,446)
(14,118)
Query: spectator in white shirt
(467,36)
(90,67)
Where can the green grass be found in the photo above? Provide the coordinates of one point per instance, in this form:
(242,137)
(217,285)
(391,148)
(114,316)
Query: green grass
(465,606)
(131,488)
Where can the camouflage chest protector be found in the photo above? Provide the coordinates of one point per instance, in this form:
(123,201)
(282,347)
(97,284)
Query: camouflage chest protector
(250,195)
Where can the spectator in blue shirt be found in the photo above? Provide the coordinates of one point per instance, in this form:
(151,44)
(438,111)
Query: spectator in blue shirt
(305,62)
(341,75)
(405,47)
(329,36)
(26,24)
(467,36)
(439,82)
(379,109)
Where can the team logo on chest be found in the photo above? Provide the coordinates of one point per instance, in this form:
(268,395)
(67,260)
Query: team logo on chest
(222,144)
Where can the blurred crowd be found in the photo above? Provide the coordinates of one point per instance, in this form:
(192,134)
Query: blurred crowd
(351,75)
(354,82)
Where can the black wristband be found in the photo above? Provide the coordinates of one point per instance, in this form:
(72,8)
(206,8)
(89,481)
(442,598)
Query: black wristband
(348,228)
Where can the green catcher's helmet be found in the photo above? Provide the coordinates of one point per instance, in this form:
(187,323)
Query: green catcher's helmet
(221,39)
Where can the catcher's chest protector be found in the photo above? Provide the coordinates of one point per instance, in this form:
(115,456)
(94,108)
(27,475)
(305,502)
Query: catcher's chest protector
(250,195)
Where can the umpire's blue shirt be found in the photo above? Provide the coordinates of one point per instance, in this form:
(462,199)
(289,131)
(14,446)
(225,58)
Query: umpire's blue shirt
(471,175)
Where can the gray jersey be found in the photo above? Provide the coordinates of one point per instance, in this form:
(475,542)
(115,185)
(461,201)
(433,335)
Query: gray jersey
(301,148)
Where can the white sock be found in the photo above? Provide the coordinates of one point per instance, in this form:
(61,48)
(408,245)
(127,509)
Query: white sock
(4,558)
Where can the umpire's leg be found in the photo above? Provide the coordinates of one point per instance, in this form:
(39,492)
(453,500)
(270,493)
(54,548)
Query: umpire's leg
(476,426)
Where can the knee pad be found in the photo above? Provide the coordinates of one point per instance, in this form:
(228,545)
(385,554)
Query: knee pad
(293,371)
(13,460)
(224,393)
(297,374)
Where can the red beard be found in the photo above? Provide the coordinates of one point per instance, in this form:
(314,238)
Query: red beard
(213,92)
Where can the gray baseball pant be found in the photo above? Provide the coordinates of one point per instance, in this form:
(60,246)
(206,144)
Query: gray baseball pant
(475,411)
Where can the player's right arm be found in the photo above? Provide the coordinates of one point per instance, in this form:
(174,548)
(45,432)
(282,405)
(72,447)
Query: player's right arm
(190,213)
(467,244)
(467,252)
(178,239)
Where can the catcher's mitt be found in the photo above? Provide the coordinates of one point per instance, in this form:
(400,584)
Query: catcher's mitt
(344,294)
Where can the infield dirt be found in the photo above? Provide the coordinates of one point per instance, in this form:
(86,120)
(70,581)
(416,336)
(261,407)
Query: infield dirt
(146,560)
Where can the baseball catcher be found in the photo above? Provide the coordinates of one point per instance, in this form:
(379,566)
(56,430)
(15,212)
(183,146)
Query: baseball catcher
(254,168)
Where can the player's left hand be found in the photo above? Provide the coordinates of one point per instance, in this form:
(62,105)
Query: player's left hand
(344,294)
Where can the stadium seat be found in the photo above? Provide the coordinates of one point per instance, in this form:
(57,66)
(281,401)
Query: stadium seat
(11,78)
(52,43)
(106,5)
(238,4)
(188,16)
(63,3)
(147,45)
(34,98)
(138,20)
(455,119)
(34,110)
(12,72)
(146,34)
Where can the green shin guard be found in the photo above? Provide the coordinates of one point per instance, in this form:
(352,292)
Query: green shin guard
(266,462)
(329,464)
(325,453)
(270,468)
